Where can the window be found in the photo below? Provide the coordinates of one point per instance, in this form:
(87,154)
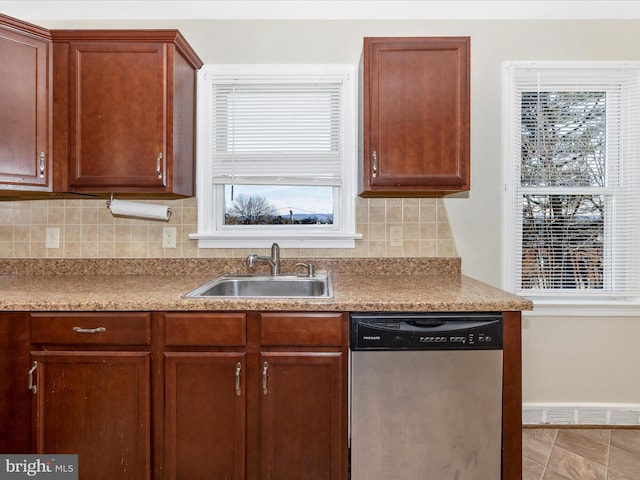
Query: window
(572,183)
(276,156)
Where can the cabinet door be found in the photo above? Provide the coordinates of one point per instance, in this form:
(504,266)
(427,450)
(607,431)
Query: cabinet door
(14,397)
(205,415)
(416,115)
(24,109)
(118,115)
(301,428)
(96,405)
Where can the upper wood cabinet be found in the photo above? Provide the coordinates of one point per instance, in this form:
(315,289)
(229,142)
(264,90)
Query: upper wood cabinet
(25,107)
(124,113)
(414,116)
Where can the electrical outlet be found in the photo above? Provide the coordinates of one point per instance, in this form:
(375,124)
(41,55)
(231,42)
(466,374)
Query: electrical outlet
(52,238)
(395,233)
(169,237)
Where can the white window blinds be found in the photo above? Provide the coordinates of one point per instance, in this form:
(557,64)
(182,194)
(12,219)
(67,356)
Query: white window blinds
(285,133)
(573,162)
(270,130)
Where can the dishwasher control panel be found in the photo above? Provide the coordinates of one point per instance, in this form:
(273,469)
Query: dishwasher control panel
(426,331)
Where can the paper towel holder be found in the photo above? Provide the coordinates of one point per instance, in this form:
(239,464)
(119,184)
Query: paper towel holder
(166,214)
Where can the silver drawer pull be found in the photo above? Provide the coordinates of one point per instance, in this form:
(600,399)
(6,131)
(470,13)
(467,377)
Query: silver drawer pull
(265,376)
(89,330)
(238,368)
(32,386)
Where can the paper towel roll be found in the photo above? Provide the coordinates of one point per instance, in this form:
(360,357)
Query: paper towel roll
(138,209)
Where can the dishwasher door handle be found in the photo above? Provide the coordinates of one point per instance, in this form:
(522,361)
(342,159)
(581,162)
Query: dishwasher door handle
(425,323)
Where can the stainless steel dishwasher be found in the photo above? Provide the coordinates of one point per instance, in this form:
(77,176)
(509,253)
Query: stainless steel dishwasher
(426,396)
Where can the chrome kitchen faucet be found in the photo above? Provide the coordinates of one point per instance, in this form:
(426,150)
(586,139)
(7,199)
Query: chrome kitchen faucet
(273,260)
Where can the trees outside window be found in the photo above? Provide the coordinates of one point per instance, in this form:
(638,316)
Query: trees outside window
(563,145)
(572,182)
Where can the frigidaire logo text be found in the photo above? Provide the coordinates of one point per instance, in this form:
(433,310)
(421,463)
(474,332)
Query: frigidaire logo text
(372,337)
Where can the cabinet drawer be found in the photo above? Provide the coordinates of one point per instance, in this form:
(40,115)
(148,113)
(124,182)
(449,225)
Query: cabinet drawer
(91,328)
(301,329)
(205,329)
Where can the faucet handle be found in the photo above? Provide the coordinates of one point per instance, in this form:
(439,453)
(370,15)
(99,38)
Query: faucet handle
(251,259)
(308,266)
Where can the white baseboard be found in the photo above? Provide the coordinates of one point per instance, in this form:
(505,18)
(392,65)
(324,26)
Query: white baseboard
(581,414)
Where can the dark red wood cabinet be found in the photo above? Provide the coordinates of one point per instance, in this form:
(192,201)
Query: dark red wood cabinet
(96,111)
(205,395)
(262,397)
(414,116)
(15,397)
(125,111)
(25,107)
(91,391)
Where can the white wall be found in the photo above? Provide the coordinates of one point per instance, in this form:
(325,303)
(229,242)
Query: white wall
(564,359)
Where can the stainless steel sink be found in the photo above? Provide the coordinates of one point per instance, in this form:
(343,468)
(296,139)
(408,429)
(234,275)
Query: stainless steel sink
(270,286)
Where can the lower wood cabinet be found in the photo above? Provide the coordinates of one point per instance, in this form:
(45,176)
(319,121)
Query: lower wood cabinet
(264,396)
(14,395)
(301,412)
(190,396)
(96,405)
(205,415)
(302,406)
(90,380)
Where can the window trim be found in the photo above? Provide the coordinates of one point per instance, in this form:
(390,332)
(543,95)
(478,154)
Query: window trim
(552,304)
(211,233)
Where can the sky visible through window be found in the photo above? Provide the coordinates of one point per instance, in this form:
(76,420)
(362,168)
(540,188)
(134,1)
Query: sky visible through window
(297,203)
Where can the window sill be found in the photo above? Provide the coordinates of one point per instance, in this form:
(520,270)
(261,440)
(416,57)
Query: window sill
(262,240)
(582,308)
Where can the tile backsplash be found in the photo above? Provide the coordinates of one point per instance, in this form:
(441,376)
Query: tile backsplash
(88,230)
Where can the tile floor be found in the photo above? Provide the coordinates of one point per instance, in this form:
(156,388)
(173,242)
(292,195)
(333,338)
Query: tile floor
(581,454)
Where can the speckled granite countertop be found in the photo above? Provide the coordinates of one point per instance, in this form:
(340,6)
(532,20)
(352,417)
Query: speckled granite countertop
(407,284)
